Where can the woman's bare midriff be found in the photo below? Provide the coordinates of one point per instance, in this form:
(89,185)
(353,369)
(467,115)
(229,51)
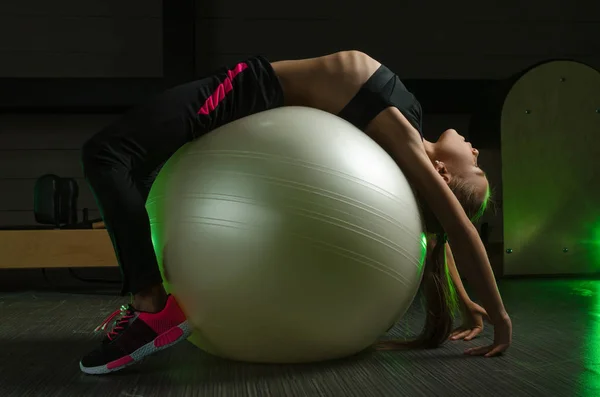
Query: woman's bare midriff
(328,82)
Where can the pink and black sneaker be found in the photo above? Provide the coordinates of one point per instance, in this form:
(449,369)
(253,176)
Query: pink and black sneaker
(136,335)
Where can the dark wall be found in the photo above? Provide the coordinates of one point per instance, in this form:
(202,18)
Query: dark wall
(72,38)
(117,41)
(35,144)
(418,39)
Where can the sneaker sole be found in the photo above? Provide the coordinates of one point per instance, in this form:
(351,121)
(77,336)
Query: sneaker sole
(161,342)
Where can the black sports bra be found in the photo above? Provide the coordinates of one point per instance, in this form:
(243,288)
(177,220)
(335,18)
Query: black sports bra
(382,90)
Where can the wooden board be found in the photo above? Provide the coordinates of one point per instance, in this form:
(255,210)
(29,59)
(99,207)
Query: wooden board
(551,183)
(55,248)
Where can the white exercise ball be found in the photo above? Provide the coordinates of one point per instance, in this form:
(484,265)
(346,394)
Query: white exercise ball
(287,236)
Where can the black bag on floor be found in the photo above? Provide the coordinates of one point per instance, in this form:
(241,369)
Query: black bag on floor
(55,200)
(46,199)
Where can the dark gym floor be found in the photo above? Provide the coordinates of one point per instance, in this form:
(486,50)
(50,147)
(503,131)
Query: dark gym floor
(556,352)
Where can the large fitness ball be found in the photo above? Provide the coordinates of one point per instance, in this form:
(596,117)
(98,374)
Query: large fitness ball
(287,236)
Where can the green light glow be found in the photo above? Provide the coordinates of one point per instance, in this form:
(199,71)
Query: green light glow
(452,294)
(590,378)
(595,251)
(484,205)
(423,251)
(591,243)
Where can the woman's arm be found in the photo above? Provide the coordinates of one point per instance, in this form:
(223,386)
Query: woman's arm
(393,132)
(455,275)
(472,314)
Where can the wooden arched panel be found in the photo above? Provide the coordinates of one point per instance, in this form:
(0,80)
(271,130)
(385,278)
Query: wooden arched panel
(550,129)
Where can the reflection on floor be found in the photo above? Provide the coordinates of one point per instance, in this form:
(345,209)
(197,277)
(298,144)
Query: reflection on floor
(556,352)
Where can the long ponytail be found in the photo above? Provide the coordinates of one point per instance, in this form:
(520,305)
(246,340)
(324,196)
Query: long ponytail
(438,290)
(440,303)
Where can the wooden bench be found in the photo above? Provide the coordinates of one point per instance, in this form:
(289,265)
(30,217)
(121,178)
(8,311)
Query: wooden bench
(56,248)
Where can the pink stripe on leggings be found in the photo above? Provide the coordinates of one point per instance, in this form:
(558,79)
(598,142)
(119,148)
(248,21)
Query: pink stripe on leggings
(223,89)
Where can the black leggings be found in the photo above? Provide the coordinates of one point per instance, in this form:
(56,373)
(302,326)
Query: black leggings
(121,162)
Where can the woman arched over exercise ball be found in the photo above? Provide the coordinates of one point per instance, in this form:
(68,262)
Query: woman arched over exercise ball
(121,161)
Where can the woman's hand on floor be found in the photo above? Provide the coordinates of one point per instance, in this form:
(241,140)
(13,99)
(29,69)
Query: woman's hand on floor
(472,325)
(502,339)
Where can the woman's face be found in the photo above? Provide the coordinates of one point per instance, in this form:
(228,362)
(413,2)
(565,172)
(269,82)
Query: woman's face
(460,158)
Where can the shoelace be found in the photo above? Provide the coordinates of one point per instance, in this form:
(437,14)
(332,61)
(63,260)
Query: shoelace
(126,313)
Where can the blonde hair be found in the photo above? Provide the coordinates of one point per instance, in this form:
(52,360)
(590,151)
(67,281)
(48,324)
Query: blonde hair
(438,290)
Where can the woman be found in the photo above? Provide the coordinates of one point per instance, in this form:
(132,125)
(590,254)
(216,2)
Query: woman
(121,161)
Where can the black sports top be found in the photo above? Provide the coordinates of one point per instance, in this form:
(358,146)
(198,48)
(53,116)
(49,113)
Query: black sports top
(382,90)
